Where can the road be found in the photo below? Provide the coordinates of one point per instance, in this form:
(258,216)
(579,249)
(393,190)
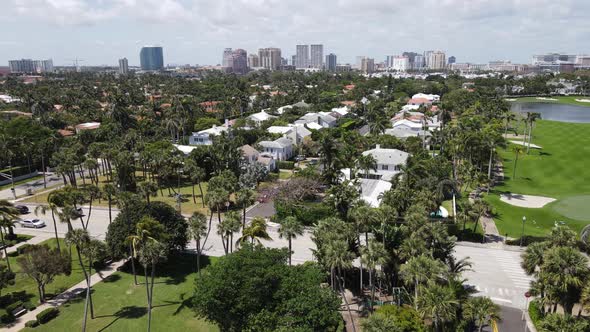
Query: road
(34,185)
(496,273)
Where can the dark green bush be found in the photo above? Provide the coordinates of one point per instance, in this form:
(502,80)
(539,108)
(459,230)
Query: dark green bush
(286,164)
(271,177)
(22,249)
(32,323)
(29,306)
(7,318)
(47,315)
(535,312)
(14,306)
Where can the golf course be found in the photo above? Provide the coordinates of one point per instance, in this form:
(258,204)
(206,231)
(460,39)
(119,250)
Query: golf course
(558,170)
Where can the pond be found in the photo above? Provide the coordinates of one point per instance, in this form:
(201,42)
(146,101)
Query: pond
(555,112)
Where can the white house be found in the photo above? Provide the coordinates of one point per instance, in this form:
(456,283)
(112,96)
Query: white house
(432,98)
(296,133)
(389,162)
(280,149)
(260,117)
(404,133)
(186,149)
(324,119)
(250,155)
(203,137)
(406,124)
(371,190)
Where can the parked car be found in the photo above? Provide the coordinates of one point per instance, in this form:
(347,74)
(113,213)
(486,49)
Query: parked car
(300,158)
(32,223)
(22,209)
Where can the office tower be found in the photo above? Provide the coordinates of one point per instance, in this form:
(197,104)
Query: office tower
(151,58)
(302,56)
(367,65)
(317,56)
(43,66)
(452,60)
(22,66)
(123,66)
(270,58)
(553,58)
(400,63)
(389,61)
(331,62)
(226,58)
(293,60)
(411,57)
(359,61)
(427,58)
(437,60)
(418,62)
(253,61)
(239,61)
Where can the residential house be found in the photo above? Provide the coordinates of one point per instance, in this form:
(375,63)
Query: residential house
(296,133)
(87,126)
(419,102)
(389,162)
(372,190)
(186,149)
(251,155)
(323,119)
(432,98)
(260,117)
(280,149)
(204,137)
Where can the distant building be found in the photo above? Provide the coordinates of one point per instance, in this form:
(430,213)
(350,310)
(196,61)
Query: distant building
(302,56)
(437,60)
(502,65)
(359,62)
(368,65)
(253,61)
(400,63)
(317,56)
(452,60)
(204,137)
(21,66)
(427,58)
(552,58)
(151,58)
(123,66)
(411,57)
(583,60)
(418,62)
(270,58)
(239,61)
(293,60)
(331,62)
(226,59)
(343,68)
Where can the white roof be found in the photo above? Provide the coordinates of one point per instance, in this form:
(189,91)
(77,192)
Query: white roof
(282,109)
(261,116)
(278,143)
(401,133)
(215,130)
(186,149)
(388,156)
(407,108)
(430,97)
(406,122)
(372,189)
(279,129)
(341,110)
(314,125)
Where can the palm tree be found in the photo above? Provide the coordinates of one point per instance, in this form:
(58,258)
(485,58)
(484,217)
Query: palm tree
(518,150)
(418,270)
(255,231)
(151,253)
(109,191)
(290,228)
(438,303)
(230,224)
(531,118)
(372,255)
(8,215)
(584,300)
(480,208)
(146,229)
(245,198)
(80,239)
(482,311)
(339,257)
(146,189)
(197,228)
(366,163)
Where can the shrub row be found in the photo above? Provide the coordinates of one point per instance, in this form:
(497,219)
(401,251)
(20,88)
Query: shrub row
(286,164)
(47,315)
(32,323)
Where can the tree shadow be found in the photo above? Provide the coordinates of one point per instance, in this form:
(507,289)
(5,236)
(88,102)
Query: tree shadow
(129,312)
(112,278)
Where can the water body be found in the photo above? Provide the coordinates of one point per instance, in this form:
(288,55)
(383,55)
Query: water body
(555,112)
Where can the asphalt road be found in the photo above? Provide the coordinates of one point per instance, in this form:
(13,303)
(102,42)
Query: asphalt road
(35,185)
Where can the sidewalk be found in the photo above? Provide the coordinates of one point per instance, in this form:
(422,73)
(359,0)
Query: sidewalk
(64,297)
(38,238)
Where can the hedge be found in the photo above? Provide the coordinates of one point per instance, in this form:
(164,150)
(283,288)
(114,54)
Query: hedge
(7,318)
(47,315)
(286,164)
(535,312)
(32,323)
(14,306)
(29,306)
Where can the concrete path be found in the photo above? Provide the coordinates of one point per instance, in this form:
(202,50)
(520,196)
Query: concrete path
(64,297)
(38,238)
(34,185)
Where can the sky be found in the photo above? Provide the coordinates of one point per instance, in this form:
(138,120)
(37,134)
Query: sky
(99,32)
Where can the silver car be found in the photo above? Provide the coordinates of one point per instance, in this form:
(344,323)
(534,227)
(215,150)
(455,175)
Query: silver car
(32,223)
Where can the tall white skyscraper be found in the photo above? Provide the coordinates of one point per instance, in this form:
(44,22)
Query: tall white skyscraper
(123,66)
(400,63)
(317,56)
(227,58)
(437,60)
(270,58)
(302,56)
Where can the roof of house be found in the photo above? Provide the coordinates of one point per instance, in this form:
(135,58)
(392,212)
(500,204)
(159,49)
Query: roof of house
(88,125)
(65,132)
(215,130)
(279,129)
(408,123)
(279,143)
(430,97)
(186,149)
(372,189)
(419,101)
(341,110)
(301,130)
(401,133)
(388,156)
(301,104)
(348,103)
(261,116)
(248,151)
(314,125)
(264,159)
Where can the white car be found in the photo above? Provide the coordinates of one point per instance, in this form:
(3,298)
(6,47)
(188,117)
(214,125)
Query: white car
(32,223)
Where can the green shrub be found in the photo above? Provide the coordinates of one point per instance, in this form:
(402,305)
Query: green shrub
(286,164)
(14,306)
(32,323)
(22,249)
(47,315)
(272,177)
(29,306)
(7,318)
(535,312)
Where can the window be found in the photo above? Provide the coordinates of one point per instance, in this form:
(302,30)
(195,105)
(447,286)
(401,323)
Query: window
(384,167)
(398,168)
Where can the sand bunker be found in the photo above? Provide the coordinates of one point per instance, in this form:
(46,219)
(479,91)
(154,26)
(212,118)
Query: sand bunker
(533,146)
(544,98)
(583,100)
(526,201)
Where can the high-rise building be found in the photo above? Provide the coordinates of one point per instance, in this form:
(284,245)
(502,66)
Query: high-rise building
(302,56)
(226,58)
(151,58)
(411,57)
(427,58)
(317,56)
(437,60)
(418,62)
(331,62)
(400,63)
(552,58)
(253,61)
(25,66)
(270,58)
(239,61)
(452,60)
(368,65)
(123,66)
(359,62)
(43,66)
(293,60)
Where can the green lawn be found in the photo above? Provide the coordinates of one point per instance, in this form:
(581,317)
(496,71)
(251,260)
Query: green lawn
(571,100)
(122,306)
(59,284)
(559,170)
(285,174)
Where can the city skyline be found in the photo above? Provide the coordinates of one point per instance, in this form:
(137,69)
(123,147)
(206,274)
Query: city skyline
(101,32)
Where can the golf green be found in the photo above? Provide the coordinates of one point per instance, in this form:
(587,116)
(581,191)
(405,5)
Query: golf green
(575,207)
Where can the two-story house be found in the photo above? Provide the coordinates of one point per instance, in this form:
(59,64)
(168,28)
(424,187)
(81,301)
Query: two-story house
(204,137)
(280,149)
(389,162)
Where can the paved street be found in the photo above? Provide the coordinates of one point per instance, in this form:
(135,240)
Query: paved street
(497,274)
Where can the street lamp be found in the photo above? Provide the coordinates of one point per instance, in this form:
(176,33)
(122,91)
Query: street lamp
(522,235)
